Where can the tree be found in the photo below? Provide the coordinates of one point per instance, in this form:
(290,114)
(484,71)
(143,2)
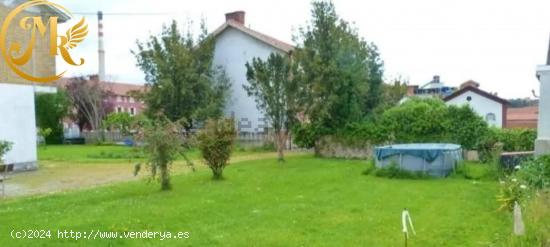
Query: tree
(341,72)
(44,133)
(121,121)
(50,111)
(417,120)
(89,100)
(466,126)
(216,142)
(163,141)
(183,81)
(275,92)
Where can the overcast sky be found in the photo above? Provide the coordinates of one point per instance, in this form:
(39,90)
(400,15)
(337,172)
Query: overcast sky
(497,43)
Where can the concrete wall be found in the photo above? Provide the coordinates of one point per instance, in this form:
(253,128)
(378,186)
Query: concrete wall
(482,106)
(330,147)
(233,50)
(18,124)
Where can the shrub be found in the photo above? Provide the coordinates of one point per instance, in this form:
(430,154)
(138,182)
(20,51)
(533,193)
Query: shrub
(305,135)
(512,140)
(421,120)
(511,191)
(216,142)
(393,171)
(466,127)
(50,111)
(535,173)
(369,131)
(121,121)
(4,148)
(417,120)
(44,133)
(163,140)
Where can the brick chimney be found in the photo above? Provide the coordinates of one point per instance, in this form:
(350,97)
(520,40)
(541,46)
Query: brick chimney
(469,83)
(237,16)
(101,48)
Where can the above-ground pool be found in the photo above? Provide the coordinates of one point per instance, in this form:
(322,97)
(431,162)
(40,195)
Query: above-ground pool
(435,159)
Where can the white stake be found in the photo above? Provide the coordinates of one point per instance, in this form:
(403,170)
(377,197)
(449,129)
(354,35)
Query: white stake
(405,216)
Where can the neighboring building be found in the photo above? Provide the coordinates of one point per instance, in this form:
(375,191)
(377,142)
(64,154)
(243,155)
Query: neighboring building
(236,45)
(121,98)
(523,117)
(433,88)
(489,106)
(17,110)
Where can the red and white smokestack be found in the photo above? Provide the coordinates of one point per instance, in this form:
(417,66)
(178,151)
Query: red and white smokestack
(101,48)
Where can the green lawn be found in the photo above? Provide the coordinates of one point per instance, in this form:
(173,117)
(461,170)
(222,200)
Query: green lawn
(91,153)
(305,202)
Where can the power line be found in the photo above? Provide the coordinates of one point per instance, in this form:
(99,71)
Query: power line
(122,13)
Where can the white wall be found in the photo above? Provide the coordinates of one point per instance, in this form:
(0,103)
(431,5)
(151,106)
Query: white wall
(18,124)
(481,105)
(233,50)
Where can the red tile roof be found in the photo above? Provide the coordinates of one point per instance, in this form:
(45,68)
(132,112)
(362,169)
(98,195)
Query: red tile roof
(281,45)
(116,88)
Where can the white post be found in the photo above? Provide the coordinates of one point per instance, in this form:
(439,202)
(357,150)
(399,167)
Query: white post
(542,145)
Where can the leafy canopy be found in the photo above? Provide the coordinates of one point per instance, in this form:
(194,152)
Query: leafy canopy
(183,81)
(340,71)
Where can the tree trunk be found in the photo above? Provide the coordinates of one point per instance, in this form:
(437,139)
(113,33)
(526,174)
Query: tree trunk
(165,178)
(280,136)
(217,173)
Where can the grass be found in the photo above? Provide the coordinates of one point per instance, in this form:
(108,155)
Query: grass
(305,202)
(96,154)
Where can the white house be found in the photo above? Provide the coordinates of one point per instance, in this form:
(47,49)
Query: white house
(236,45)
(489,106)
(17,109)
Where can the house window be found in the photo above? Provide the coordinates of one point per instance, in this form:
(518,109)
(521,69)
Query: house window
(118,109)
(469,98)
(490,117)
(132,111)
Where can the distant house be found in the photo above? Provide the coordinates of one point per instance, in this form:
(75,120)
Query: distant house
(434,88)
(489,106)
(17,109)
(120,98)
(523,117)
(236,45)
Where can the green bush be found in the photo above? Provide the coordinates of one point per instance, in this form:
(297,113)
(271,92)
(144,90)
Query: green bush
(512,140)
(305,135)
(421,120)
(163,141)
(4,148)
(50,111)
(535,173)
(121,121)
(417,120)
(393,171)
(216,142)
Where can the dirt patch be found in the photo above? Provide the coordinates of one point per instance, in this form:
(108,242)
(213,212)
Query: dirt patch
(57,176)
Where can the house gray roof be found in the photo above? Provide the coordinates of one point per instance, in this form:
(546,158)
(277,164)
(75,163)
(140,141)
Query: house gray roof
(280,45)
